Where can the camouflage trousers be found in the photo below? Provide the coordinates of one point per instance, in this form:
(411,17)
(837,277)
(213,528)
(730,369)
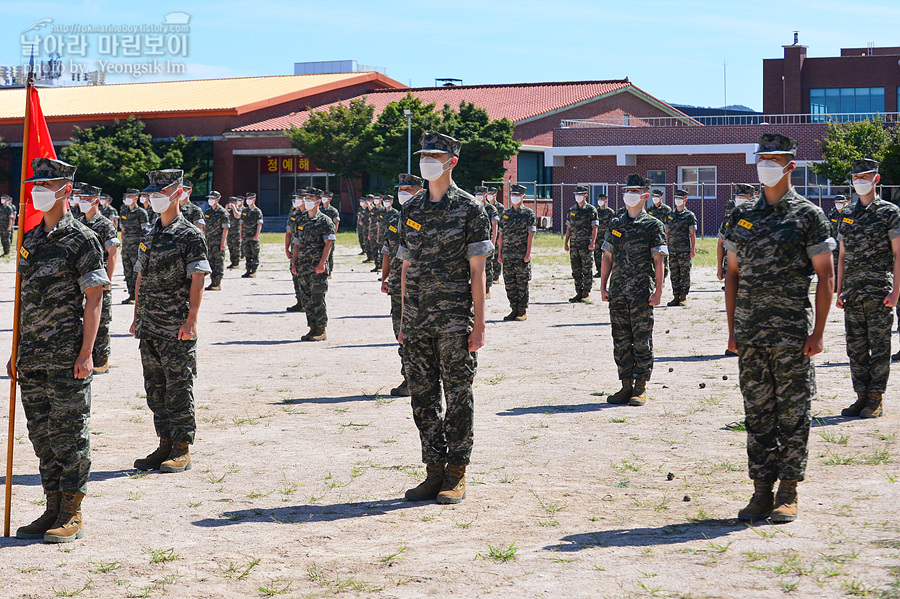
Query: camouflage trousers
(312,294)
(489,272)
(297,292)
(373,250)
(516,275)
(363,246)
(235,251)
(101,344)
(680,273)
(130,248)
(867,326)
(169,371)
(598,255)
(496,267)
(396,312)
(446,429)
(216,257)
(582,262)
(778,384)
(250,250)
(6,238)
(632,334)
(57,409)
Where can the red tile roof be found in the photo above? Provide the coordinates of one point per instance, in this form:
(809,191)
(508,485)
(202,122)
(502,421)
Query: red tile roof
(517,102)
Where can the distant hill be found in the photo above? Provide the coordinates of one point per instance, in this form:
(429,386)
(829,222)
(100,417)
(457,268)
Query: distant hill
(729,108)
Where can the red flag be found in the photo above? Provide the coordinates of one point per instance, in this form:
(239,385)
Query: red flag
(39,146)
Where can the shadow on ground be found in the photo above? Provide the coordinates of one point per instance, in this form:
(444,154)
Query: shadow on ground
(572,408)
(670,534)
(299,514)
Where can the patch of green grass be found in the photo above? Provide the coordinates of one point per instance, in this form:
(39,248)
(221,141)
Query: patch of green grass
(499,553)
(830,437)
(274,587)
(158,556)
(390,557)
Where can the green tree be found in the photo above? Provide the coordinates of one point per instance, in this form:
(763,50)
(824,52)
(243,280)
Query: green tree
(846,142)
(389,135)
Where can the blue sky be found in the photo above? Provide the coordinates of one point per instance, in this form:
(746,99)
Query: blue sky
(673,50)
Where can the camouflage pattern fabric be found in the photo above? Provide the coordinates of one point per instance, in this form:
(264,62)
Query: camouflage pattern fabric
(109,212)
(660,213)
(680,273)
(493,215)
(57,409)
(447,435)
(132,221)
(7,216)
(105,231)
(582,222)
(169,258)
(362,228)
(295,217)
(390,247)
(169,370)
(312,233)
(335,216)
(723,228)
(235,251)
(867,326)
(776,244)
(383,217)
(396,313)
(250,218)
(866,233)
(632,334)
(834,218)
(679,224)
(373,248)
(438,239)
(516,275)
(778,384)
(582,262)
(192,213)
(217,225)
(515,224)
(604,217)
(633,243)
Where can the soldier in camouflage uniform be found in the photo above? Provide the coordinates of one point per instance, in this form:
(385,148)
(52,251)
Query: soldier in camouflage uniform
(102,227)
(658,208)
(517,227)
(496,267)
(581,237)
(775,244)
(312,246)
(391,268)
(387,202)
(107,210)
(171,270)
(604,215)
(834,218)
(681,238)
(295,218)
(152,216)
(7,219)
(372,246)
(61,265)
(189,210)
(251,227)
(335,215)
(490,209)
(132,221)
(631,280)
(444,244)
(217,226)
(743,193)
(235,250)
(362,225)
(866,288)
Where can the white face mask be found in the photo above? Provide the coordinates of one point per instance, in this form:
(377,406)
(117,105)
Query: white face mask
(297,203)
(841,205)
(580,199)
(212,201)
(185,194)
(377,203)
(601,203)
(403,197)
(739,200)
(431,168)
(863,186)
(657,200)
(387,205)
(516,200)
(251,201)
(85,206)
(309,205)
(491,197)
(770,173)
(160,202)
(479,197)
(679,202)
(631,199)
(44,199)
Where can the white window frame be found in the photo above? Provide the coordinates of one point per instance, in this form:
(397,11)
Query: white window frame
(807,166)
(710,195)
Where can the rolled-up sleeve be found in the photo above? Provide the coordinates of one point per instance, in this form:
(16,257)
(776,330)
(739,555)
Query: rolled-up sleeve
(198,266)
(479,248)
(607,247)
(95,278)
(114,242)
(403,254)
(659,249)
(820,248)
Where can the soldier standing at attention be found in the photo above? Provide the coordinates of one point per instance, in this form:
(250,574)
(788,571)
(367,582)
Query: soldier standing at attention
(102,227)
(834,218)
(372,239)
(171,269)
(132,220)
(217,229)
(496,267)
(189,210)
(633,252)
(494,216)
(774,246)
(681,239)
(235,251)
(387,202)
(107,210)
(517,227)
(295,218)
(658,209)
(61,264)
(444,243)
(152,216)
(361,226)
(581,237)
(251,226)
(604,216)
(312,246)
(7,217)
(335,215)
(743,193)
(867,288)
(391,268)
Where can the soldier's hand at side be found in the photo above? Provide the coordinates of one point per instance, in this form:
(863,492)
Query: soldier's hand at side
(732,344)
(656,298)
(131,329)
(693,253)
(476,338)
(499,258)
(719,274)
(566,246)
(320,269)
(814,345)
(604,295)
(384,286)
(84,365)
(287,252)
(293,269)
(400,336)
(891,300)
(840,301)
(187,331)
(528,257)
(9,371)
(592,246)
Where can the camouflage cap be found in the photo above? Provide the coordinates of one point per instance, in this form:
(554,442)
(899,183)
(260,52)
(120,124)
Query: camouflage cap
(840,198)
(517,189)
(84,189)
(480,189)
(369,196)
(865,165)
(50,169)
(582,189)
(233,199)
(249,194)
(214,194)
(312,191)
(438,142)
(407,180)
(377,196)
(657,192)
(327,194)
(637,182)
(187,184)
(775,143)
(5,197)
(680,193)
(493,190)
(387,198)
(164,178)
(131,191)
(602,195)
(742,189)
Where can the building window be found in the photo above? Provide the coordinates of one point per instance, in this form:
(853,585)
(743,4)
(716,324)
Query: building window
(533,175)
(808,184)
(597,189)
(857,102)
(658,180)
(697,180)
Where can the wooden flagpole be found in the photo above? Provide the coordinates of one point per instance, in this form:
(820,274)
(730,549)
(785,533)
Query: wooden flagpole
(16,318)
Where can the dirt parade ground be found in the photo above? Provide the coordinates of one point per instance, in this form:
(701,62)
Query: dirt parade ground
(302,458)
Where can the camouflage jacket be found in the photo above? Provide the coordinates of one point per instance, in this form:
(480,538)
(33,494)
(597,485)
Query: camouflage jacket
(384,217)
(374,219)
(774,246)
(438,239)
(834,217)
(295,217)
(604,216)
(680,223)
(362,219)
(866,233)
(7,213)
(332,213)
(234,230)
(250,218)
(632,244)
(217,224)
(582,220)
(105,231)
(391,244)
(167,260)
(132,222)
(515,224)
(312,233)
(110,213)
(493,214)
(57,268)
(192,213)
(660,212)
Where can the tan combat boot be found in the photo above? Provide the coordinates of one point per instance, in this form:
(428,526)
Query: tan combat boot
(308,335)
(512,314)
(874,407)
(430,487)
(317,334)
(102,367)
(639,394)
(862,398)
(623,395)
(215,284)
(69,523)
(521,314)
(44,522)
(159,455)
(785,502)
(454,487)
(761,503)
(179,459)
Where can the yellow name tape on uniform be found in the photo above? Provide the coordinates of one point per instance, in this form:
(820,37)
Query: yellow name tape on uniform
(505,216)
(299,228)
(746,224)
(392,229)
(143,247)
(849,221)
(411,223)
(616,233)
(834,220)
(571,214)
(24,252)
(671,218)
